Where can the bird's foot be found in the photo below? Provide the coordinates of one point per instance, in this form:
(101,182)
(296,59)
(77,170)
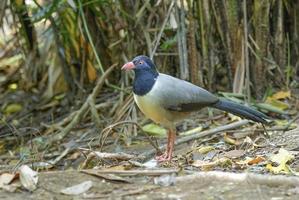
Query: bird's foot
(164,157)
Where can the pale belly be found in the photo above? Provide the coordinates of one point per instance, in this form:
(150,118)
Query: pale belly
(156,112)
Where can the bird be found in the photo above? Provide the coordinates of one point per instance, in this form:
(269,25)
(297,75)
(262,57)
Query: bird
(167,100)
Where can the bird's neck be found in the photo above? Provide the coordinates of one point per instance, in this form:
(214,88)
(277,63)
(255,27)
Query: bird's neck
(144,81)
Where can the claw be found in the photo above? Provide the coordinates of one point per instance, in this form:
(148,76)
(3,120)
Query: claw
(164,157)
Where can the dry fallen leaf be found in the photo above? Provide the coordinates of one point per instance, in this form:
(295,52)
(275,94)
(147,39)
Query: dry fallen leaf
(6,182)
(281,159)
(251,161)
(6,178)
(234,153)
(205,149)
(192,131)
(229,139)
(201,163)
(207,164)
(256,160)
(77,189)
(28,177)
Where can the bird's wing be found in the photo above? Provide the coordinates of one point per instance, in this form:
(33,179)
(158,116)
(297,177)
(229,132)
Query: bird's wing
(178,95)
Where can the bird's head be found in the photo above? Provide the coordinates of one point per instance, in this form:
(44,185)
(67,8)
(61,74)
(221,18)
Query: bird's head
(140,63)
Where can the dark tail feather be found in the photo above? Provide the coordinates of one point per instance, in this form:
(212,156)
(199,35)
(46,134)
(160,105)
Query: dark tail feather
(242,111)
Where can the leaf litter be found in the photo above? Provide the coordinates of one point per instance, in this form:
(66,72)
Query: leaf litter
(238,149)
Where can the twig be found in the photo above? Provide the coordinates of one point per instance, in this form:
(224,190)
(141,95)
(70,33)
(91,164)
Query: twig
(94,113)
(105,155)
(233,125)
(270,180)
(57,159)
(67,119)
(84,108)
(290,123)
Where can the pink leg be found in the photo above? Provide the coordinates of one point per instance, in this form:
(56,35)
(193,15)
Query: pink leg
(169,149)
(164,155)
(171,146)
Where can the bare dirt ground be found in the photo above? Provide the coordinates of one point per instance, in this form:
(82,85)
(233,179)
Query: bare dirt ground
(50,185)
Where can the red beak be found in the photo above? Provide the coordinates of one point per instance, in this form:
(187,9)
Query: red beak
(128,66)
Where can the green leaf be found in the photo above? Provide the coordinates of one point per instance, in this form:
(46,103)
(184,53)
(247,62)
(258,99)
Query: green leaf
(13,108)
(271,108)
(154,129)
(168,44)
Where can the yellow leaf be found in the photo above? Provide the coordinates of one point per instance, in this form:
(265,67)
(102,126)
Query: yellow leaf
(281,159)
(13,86)
(281,95)
(59,96)
(117,167)
(229,140)
(195,130)
(278,169)
(234,117)
(207,164)
(276,103)
(280,122)
(205,149)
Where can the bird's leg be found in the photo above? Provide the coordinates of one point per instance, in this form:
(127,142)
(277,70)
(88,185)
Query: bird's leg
(171,144)
(168,143)
(169,148)
(165,154)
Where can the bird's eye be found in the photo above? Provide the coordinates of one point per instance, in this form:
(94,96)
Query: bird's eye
(140,62)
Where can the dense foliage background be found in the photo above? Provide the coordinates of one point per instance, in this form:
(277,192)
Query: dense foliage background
(244,46)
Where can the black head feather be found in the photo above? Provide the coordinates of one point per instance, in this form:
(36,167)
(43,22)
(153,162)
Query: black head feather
(145,75)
